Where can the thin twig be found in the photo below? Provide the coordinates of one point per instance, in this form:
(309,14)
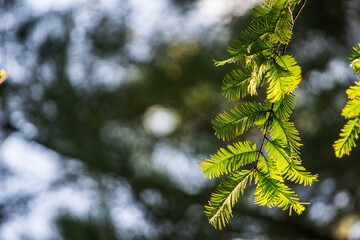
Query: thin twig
(284,49)
(266,130)
(301,8)
(293,21)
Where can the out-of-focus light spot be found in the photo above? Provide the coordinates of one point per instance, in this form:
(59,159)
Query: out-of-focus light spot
(327,186)
(108,73)
(321,213)
(211,11)
(33,164)
(354,231)
(27,128)
(180,167)
(173,71)
(342,199)
(194,211)
(342,228)
(160,121)
(337,72)
(199,97)
(45,5)
(131,222)
(152,197)
(180,52)
(313,45)
(35,168)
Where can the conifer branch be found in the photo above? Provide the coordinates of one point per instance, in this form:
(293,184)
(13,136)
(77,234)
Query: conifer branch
(272,105)
(260,60)
(350,132)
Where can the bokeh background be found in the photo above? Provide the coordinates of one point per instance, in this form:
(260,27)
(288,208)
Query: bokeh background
(108,109)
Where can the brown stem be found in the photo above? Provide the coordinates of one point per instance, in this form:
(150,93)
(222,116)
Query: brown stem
(293,21)
(301,8)
(266,130)
(272,105)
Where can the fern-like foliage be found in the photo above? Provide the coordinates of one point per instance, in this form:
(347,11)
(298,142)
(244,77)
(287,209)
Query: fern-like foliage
(225,196)
(288,163)
(241,83)
(285,131)
(283,77)
(355,59)
(350,132)
(229,160)
(284,108)
(234,122)
(261,61)
(271,190)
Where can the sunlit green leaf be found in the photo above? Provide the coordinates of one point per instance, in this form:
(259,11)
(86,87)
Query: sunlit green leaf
(226,161)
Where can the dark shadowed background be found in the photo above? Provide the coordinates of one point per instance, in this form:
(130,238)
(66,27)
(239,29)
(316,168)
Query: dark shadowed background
(108,109)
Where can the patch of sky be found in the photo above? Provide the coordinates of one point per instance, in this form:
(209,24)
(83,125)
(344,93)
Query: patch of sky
(336,72)
(180,167)
(33,169)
